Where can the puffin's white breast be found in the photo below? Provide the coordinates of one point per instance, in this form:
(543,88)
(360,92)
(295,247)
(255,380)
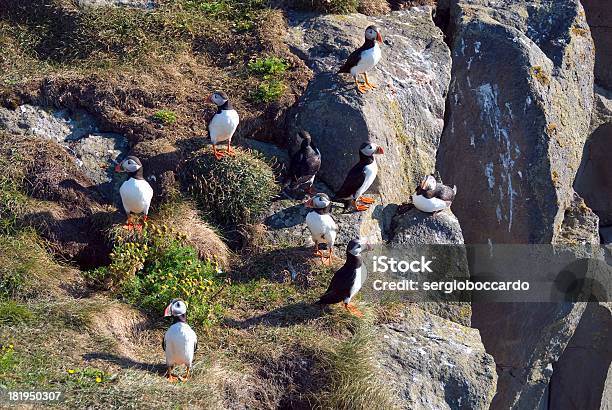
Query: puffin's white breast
(428,204)
(136,195)
(370,171)
(180,342)
(356,285)
(223,125)
(322,227)
(369,59)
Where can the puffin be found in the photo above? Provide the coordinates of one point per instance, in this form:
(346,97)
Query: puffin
(180,341)
(364,59)
(347,281)
(136,193)
(322,226)
(223,124)
(360,178)
(433,197)
(304,164)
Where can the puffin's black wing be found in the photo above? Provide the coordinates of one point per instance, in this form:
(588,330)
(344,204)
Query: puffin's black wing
(340,286)
(164,344)
(304,165)
(445,193)
(353,181)
(352,60)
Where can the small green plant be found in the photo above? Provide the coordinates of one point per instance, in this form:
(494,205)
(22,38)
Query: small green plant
(87,377)
(12,204)
(165,117)
(268,66)
(231,192)
(8,361)
(328,6)
(13,313)
(268,91)
(152,266)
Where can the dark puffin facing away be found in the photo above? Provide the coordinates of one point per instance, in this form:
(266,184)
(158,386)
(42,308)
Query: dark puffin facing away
(433,197)
(136,193)
(364,59)
(348,279)
(180,341)
(304,164)
(360,178)
(322,226)
(223,124)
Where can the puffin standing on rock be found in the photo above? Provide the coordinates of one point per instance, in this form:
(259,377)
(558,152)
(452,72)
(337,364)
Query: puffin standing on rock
(180,341)
(348,279)
(322,226)
(364,59)
(304,164)
(136,193)
(433,197)
(360,178)
(223,124)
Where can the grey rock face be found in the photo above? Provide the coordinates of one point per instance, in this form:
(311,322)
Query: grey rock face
(404,115)
(419,228)
(520,102)
(595,173)
(436,364)
(580,225)
(599,16)
(77,132)
(583,372)
(525,339)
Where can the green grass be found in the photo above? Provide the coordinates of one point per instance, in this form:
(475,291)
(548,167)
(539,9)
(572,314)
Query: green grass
(271,70)
(166,117)
(268,66)
(268,91)
(13,313)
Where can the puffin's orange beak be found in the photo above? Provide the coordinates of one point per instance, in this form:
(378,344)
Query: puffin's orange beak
(118,168)
(168,311)
(380,150)
(210,98)
(309,203)
(379,38)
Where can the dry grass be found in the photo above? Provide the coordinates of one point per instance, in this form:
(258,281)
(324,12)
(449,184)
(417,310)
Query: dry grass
(374,7)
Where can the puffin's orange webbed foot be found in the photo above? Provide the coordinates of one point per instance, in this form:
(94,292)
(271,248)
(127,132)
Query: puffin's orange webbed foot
(230,151)
(361,208)
(353,310)
(366,200)
(327,260)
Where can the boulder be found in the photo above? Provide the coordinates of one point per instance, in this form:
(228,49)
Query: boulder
(599,16)
(419,228)
(580,225)
(525,339)
(404,115)
(583,370)
(433,363)
(515,132)
(595,172)
(160,160)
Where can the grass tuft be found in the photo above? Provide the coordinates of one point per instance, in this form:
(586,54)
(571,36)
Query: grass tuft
(166,117)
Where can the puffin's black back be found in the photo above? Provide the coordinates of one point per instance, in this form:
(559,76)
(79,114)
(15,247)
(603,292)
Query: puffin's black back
(340,285)
(355,56)
(305,163)
(355,177)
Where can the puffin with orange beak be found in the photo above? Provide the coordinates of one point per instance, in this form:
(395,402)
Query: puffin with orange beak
(180,341)
(223,124)
(360,178)
(364,59)
(136,193)
(322,226)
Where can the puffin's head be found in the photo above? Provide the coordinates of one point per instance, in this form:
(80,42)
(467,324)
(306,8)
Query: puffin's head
(369,148)
(130,164)
(218,98)
(356,246)
(428,183)
(176,307)
(372,33)
(305,136)
(319,201)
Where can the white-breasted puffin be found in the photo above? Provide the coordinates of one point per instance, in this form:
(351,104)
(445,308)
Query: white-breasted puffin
(305,164)
(347,281)
(136,193)
(364,59)
(322,226)
(431,196)
(360,178)
(180,341)
(223,124)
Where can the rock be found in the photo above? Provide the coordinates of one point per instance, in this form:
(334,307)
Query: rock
(436,364)
(599,16)
(595,172)
(580,225)
(421,233)
(515,132)
(161,160)
(420,228)
(583,370)
(405,114)
(525,339)
(77,131)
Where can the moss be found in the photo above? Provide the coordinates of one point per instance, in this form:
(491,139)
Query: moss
(166,117)
(538,73)
(327,6)
(578,31)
